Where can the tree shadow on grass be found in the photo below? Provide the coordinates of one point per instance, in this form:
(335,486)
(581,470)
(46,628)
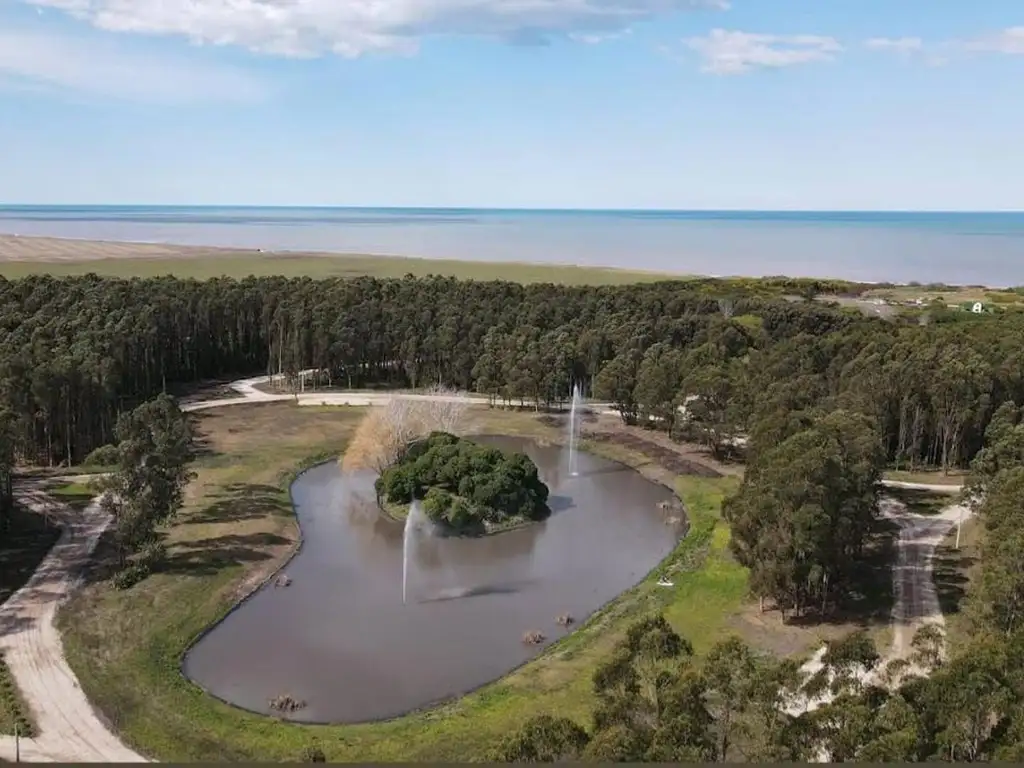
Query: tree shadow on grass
(77,500)
(919,502)
(202,446)
(210,556)
(23,546)
(243,501)
(949,571)
(869,600)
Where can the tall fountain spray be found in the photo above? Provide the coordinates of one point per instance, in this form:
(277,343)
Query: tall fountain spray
(574,429)
(412,523)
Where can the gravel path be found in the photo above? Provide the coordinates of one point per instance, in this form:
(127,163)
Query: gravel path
(69,729)
(916,602)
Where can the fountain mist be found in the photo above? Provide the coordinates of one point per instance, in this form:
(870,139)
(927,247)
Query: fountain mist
(574,429)
(412,524)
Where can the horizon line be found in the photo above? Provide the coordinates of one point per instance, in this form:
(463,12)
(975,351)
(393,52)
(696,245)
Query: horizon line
(516,209)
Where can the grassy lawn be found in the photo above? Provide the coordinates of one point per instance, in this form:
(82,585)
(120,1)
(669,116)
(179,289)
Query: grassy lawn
(954,568)
(75,494)
(238,525)
(929,477)
(242,264)
(926,503)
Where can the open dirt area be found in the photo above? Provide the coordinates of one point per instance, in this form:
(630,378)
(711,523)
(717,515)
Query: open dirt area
(22,256)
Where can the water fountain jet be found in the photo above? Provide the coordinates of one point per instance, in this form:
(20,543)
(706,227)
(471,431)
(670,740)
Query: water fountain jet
(412,524)
(574,428)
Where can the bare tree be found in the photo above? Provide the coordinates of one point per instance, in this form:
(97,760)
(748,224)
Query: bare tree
(386,430)
(445,409)
(726,307)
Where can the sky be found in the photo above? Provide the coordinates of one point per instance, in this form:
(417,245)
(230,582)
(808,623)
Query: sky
(664,104)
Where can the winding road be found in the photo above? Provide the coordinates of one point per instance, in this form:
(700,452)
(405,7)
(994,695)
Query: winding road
(70,730)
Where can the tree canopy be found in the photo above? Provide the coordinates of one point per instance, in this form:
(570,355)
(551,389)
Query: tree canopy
(465,486)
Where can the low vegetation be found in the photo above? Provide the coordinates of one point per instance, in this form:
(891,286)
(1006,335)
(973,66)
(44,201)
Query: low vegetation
(465,487)
(14,715)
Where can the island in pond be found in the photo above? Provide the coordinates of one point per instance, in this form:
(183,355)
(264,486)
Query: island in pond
(465,487)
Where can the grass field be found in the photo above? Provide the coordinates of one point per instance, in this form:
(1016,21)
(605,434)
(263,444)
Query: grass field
(239,265)
(14,715)
(949,295)
(238,525)
(954,569)
(954,477)
(76,495)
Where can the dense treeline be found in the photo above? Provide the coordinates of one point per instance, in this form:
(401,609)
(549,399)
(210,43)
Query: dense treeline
(77,352)
(800,521)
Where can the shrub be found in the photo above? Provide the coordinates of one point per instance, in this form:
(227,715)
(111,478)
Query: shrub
(312,754)
(131,575)
(104,456)
(153,555)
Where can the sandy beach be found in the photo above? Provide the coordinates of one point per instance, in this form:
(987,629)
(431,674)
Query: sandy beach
(22,256)
(56,250)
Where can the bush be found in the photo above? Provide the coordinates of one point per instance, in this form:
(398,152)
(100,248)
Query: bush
(312,754)
(104,456)
(153,555)
(131,575)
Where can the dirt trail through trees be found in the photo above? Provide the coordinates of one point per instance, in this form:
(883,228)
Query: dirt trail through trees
(916,602)
(68,727)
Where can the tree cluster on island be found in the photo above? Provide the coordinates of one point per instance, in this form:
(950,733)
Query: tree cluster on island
(465,487)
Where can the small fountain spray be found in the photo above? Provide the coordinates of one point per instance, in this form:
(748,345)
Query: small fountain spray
(412,523)
(574,429)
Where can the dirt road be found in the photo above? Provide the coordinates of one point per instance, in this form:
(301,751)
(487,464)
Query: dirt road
(69,729)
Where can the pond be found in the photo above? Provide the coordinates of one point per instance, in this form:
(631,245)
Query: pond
(340,639)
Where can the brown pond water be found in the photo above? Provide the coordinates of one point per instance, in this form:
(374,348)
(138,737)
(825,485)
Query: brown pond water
(340,639)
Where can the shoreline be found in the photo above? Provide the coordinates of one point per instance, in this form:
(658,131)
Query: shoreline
(568,634)
(23,255)
(84,249)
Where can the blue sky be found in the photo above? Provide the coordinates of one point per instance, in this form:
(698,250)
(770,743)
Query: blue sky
(763,104)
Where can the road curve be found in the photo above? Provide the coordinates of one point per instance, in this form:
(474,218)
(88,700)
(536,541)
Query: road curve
(69,730)
(68,727)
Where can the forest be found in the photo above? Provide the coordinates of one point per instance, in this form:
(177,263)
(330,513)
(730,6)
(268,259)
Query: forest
(465,487)
(77,352)
(816,399)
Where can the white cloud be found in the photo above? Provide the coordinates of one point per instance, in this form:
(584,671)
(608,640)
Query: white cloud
(31,60)
(355,27)
(727,52)
(1008,41)
(904,45)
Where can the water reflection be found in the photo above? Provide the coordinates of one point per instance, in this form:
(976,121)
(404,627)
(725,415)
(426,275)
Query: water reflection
(340,638)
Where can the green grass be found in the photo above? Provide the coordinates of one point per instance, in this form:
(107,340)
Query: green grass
(953,570)
(926,503)
(76,495)
(245,264)
(14,715)
(928,476)
(125,646)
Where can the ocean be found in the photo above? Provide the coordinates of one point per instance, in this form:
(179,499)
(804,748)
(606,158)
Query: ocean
(956,248)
